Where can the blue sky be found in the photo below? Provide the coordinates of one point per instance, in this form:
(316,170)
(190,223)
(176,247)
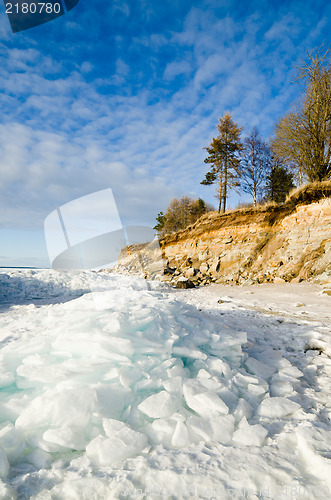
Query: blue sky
(125,94)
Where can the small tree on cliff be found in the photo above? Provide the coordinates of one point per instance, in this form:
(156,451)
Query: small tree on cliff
(279,183)
(255,162)
(160,219)
(180,214)
(223,157)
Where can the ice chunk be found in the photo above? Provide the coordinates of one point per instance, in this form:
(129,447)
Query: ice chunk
(256,390)
(222,428)
(4,465)
(290,373)
(6,379)
(281,388)
(161,431)
(277,407)
(188,352)
(123,444)
(219,367)
(174,385)
(198,429)
(59,407)
(65,437)
(202,373)
(177,371)
(180,438)
(160,405)
(112,427)
(202,402)
(229,398)
(250,435)
(112,399)
(39,459)
(11,440)
(243,409)
(259,368)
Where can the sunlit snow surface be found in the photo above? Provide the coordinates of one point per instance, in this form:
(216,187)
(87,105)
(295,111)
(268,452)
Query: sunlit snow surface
(130,392)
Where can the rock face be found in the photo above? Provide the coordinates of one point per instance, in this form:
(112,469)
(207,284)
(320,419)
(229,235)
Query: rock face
(275,244)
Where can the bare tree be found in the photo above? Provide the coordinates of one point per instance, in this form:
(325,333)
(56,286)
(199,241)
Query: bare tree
(255,163)
(303,136)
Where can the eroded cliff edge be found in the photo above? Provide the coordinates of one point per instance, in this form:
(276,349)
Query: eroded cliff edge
(290,242)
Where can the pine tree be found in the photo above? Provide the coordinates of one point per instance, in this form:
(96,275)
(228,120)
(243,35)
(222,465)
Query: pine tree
(160,219)
(223,156)
(279,183)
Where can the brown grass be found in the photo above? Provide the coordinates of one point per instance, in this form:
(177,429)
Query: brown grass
(310,193)
(268,214)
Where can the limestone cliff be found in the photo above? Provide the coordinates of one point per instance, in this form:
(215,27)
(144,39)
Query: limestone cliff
(288,242)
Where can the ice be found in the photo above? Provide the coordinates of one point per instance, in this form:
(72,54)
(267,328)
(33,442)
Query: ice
(198,429)
(201,401)
(222,428)
(160,405)
(147,384)
(277,407)
(243,409)
(6,379)
(250,435)
(180,437)
(11,440)
(65,437)
(39,459)
(161,431)
(4,465)
(120,444)
(281,388)
(259,368)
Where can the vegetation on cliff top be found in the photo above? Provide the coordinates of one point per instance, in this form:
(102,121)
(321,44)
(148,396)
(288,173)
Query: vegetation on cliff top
(300,148)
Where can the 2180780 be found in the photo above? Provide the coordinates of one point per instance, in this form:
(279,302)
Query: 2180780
(33,8)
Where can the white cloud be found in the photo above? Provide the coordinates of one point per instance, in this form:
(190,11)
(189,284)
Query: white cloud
(62,138)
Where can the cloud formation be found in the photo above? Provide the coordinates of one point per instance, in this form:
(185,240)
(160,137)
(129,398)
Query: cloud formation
(126,96)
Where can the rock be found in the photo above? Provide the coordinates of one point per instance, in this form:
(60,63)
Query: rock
(189,273)
(215,267)
(169,270)
(203,256)
(204,268)
(279,280)
(184,283)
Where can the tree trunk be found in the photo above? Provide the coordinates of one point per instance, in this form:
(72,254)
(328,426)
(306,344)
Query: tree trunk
(225,185)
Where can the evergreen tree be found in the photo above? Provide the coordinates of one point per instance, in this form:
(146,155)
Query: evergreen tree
(223,157)
(255,163)
(160,219)
(279,183)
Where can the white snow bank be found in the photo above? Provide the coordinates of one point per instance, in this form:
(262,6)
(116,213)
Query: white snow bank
(98,388)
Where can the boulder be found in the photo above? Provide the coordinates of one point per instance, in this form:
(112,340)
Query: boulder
(184,283)
(204,268)
(279,280)
(190,272)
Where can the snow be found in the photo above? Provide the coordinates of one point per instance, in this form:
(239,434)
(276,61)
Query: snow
(112,387)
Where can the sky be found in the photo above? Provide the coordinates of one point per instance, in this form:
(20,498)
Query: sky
(126,94)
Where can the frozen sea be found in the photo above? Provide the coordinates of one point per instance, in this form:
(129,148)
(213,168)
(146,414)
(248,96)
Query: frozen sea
(112,387)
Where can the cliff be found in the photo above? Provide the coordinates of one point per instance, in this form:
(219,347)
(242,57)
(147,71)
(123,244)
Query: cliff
(276,243)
